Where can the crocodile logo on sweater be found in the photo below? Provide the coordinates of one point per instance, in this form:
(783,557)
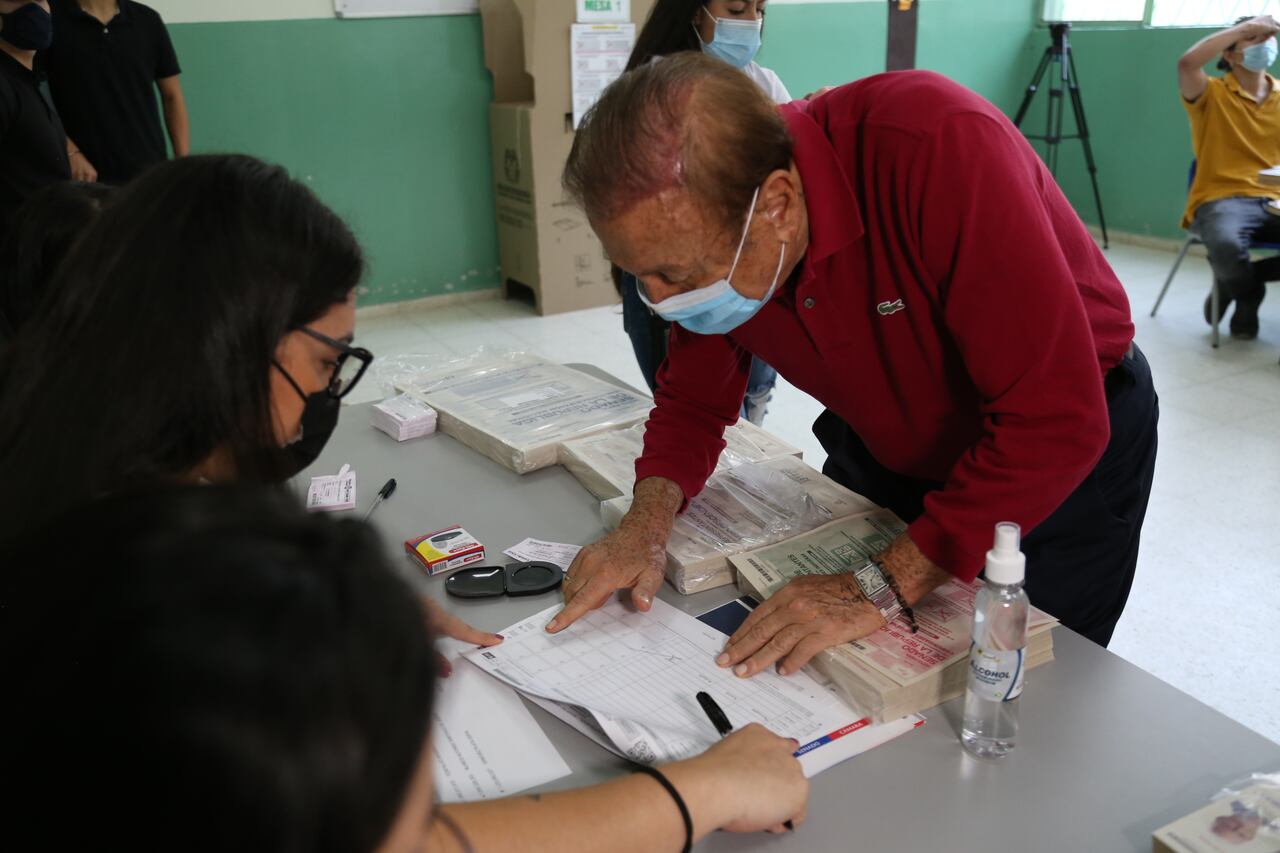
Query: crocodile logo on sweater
(887,308)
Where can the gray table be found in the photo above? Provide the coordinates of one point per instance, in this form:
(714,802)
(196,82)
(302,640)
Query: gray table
(1107,752)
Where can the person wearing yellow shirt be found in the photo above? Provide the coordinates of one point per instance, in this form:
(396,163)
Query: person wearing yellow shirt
(1235,133)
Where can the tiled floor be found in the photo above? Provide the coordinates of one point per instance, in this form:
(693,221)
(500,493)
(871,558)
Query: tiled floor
(1205,610)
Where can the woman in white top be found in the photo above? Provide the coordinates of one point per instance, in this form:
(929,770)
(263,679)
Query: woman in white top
(729,30)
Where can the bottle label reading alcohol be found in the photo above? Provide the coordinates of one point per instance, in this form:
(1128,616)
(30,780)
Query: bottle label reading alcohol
(995,674)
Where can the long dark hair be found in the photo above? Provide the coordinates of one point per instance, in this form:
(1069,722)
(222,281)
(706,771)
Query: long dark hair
(668,30)
(156,347)
(44,229)
(208,669)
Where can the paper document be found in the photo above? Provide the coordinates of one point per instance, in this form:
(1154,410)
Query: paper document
(535,550)
(628,680)
(598,54)
(484,742)
(333,492)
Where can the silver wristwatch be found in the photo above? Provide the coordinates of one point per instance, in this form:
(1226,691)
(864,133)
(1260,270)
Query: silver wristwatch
(871,580)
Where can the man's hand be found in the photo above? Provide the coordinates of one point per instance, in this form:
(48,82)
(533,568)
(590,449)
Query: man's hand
(632,557)
(819,93)
(82,169)
(817,612)
(809,614)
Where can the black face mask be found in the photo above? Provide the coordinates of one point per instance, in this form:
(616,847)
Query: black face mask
(28,27)
(319,419)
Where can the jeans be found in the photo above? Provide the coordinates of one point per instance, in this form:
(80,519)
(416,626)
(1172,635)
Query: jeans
(1227,227)
(648,333)
(1081,559)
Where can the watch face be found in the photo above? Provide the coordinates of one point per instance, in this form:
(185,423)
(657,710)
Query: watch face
(870,580)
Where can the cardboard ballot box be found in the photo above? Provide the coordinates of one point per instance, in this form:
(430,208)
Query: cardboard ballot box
(545,245)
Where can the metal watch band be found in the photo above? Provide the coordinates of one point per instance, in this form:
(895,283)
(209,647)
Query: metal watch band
(871,580)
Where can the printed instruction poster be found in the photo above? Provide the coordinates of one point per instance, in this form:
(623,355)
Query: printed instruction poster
(598,55)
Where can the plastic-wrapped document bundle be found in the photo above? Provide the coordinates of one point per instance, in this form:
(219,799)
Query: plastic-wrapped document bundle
(517,408)
(743,508)
(890,672)
(606,464)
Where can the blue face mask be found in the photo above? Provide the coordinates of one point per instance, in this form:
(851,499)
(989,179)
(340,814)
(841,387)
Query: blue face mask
(716,309)
(1260,57)
(28,27)
(735,42)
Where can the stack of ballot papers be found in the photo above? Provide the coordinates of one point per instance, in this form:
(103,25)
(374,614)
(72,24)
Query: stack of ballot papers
(628,681)
(605,464)
(518,409)
(743,508)
(404,417)
(891,672)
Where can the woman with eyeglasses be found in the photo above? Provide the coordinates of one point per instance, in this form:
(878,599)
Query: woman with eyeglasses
(199,332)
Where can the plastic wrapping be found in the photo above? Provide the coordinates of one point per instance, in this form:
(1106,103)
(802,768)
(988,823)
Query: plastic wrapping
(742,508)
(1243,817)
(605,464)
(517,408)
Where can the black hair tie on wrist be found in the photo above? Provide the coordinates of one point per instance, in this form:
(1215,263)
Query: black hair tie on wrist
(675,795)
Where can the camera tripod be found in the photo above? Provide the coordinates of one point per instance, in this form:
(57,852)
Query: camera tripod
(1059,55)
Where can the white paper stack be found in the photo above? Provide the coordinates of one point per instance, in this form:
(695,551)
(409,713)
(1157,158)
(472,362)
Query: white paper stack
(605,464)
(404,417)
(518,409)
(745,507)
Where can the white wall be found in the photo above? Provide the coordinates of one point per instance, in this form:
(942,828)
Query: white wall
(199,11)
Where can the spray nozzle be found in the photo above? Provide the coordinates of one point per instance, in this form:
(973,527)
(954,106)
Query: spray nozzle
(1006,564)
(1008,538)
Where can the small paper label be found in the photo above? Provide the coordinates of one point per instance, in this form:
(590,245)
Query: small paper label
(334,492)
(538,551)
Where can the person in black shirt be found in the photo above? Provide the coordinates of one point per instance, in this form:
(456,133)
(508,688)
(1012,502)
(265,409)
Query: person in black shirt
(108,57)
(33,150)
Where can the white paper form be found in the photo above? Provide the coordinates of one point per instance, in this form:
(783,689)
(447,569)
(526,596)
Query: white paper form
(598,54)
(536,550)
(636,676)
(484,742)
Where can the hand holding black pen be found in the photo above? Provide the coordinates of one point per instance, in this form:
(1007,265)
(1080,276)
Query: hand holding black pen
(723,727)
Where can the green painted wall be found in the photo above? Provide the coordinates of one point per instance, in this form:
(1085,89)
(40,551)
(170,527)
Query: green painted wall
(1141,142)
(388,119)
(983,44)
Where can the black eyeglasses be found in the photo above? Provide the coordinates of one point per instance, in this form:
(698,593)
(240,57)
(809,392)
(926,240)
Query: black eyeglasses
(351,364)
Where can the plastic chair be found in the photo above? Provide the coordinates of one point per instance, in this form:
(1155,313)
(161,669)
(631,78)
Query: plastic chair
(1215,309)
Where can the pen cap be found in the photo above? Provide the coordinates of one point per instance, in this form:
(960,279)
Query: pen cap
(1005,563)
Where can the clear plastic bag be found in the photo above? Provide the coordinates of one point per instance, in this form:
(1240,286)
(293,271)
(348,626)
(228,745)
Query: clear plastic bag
(517,408)
(743,508)
(1243,817)
(605,464)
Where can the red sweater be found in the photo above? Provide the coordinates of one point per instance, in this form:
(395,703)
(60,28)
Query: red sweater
(951,308)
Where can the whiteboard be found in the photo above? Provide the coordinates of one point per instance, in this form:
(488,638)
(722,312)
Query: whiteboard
(403,8)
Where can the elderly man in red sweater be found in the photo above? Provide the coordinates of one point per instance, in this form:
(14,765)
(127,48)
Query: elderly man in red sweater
(896,249)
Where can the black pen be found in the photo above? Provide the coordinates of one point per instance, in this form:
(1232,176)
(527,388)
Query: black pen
(720,720)
(383,494)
